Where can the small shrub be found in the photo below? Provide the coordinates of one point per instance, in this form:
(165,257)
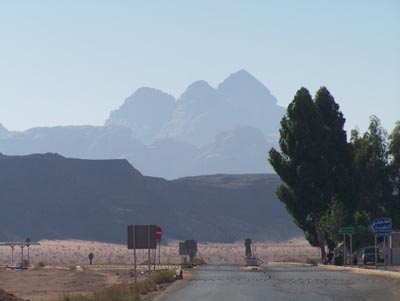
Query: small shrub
(41,264)
(313,261)
(163,277)
(77,298)
(187,265)
(72,268)
(143,287)
(199,261)
(126,292)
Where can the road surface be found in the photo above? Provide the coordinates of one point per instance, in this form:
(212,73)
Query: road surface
(231,283)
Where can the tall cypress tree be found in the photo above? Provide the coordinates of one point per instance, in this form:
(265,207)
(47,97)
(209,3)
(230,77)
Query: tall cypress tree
(313,162)
(338,153)
(302,166)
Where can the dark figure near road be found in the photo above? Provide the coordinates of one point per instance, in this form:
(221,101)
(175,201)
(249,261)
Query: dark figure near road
(330,257)
(91,256)
(247,244)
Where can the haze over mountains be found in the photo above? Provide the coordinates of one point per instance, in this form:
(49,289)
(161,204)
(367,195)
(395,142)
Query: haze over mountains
(49,196)
(207,130)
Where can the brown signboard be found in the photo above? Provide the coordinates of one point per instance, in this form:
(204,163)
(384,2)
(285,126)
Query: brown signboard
(142,237)
(396,239)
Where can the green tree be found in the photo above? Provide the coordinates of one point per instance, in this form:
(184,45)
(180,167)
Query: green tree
(331,221)
(310,163)
(394,157)
(363,235)
(337,153)
(371,171)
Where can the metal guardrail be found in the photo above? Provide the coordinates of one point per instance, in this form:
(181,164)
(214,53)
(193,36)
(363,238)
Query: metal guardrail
(130,266)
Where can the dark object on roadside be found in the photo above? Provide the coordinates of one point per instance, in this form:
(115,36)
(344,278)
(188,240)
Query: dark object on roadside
(330,257)
(355,258)
(338,260)
(180,275)
(188,247)
(17,266)
(368,255)
(91,256)
(247,244)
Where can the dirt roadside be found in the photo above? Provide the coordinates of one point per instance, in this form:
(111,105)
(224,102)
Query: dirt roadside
(50,284)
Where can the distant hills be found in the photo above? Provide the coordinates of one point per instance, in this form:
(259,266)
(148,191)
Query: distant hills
(207,130)
(53,197)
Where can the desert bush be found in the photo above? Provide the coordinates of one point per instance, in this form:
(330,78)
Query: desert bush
(187,265)
(72,268)
(124,292)
(313,261)
(163,277)
(78,298)
(41,264)
(199,261)
(118,292)
(144,286)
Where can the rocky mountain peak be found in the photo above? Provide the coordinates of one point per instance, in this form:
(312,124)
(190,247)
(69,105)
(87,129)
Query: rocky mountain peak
(198,90)
(242,86)
(2,128)
(144,112)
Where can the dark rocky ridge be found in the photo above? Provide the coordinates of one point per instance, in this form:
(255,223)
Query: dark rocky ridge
(49,196)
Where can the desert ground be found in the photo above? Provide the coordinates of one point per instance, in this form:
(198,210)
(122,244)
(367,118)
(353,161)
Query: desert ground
(59,267)
(75,252)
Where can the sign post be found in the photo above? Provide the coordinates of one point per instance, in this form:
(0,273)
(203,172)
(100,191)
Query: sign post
(188,247)
(141,237)
(381,227)
(347,231)
(158,238)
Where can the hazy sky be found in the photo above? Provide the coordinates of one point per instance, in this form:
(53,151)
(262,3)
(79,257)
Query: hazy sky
(72,62)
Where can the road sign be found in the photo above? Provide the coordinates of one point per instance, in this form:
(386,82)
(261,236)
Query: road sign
(158,233)
(182,249)
(142,237)
(346,230)
(381,226)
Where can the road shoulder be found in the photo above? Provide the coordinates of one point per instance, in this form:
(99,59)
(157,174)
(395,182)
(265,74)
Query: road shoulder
(363,271)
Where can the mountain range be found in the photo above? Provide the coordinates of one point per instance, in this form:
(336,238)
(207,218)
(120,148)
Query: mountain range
(207,130)
(53,197)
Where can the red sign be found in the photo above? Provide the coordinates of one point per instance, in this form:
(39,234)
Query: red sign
(158,233)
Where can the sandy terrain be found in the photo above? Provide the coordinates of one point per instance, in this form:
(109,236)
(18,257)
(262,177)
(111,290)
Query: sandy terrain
(113,264)
(75,252)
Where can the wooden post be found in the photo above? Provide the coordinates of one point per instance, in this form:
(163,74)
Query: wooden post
(148,244)
(134,252)
(376,255)
(351,249)
(344,249)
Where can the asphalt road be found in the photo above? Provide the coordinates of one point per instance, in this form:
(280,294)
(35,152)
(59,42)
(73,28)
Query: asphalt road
(231,283)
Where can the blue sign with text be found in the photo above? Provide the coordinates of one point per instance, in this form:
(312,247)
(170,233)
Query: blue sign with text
(381,226)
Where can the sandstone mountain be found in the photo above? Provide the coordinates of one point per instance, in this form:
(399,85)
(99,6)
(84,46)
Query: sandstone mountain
(145,112)
(228,129)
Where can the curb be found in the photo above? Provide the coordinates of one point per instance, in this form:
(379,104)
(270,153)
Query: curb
(361,271)
(299,264)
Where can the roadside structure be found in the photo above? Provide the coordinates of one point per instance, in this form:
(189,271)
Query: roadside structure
(22,245)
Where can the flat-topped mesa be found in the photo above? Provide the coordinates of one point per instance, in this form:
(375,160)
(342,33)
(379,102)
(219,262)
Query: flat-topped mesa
(53,197)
